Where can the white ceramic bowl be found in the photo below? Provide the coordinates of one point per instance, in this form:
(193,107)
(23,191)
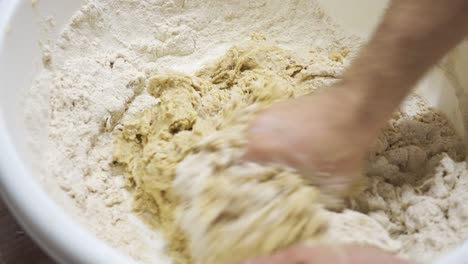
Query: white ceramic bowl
(20,30)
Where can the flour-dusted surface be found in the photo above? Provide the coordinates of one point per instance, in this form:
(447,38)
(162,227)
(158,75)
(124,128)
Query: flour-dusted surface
(96,73)
(96,76)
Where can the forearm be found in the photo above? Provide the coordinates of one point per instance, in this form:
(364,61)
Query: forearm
(413,36)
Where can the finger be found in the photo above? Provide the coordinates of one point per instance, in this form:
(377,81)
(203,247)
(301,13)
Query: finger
(306,255)
(255,150)
(262,147)
(369,255)
(337,254)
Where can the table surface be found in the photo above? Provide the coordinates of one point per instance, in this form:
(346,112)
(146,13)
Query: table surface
(15,245)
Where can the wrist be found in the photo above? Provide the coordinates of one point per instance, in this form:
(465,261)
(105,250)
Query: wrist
(362,108)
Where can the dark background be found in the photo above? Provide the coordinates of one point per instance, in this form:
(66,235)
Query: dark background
(15,245)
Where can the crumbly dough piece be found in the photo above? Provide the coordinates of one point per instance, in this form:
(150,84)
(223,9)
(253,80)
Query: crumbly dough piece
(234,211)
(152,144)
(181,158)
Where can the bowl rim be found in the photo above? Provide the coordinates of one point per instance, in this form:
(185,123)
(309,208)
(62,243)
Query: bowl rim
(63,238)
(43,219)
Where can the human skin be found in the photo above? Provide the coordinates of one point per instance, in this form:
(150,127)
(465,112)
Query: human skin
(331,132)
(340,254)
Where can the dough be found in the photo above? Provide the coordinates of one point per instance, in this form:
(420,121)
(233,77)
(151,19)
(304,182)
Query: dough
(226,212)
(235,211)
(181,157)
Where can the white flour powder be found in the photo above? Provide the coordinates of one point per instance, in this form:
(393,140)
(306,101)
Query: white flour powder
(96,76)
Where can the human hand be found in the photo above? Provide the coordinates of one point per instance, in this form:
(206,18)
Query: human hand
(341,254)
(323,136)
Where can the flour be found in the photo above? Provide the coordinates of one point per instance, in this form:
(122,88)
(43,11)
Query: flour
(415,184)
(191,197)
(96,75)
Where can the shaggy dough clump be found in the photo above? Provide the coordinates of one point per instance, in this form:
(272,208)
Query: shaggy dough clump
(182,158)
(234,211)
(255,210)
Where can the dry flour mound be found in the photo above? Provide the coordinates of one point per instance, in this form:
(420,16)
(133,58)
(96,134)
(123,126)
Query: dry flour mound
(412,190)
(96,73)
(96,76)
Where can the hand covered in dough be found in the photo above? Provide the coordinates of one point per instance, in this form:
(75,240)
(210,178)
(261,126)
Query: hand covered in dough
(344,254)
(321,135)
